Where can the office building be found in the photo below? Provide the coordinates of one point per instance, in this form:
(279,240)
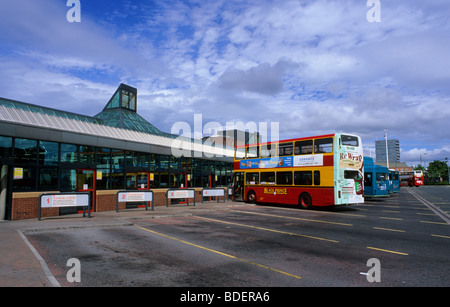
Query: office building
(393,146)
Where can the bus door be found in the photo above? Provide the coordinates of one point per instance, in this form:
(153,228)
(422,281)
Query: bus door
(86,183)
(238,186)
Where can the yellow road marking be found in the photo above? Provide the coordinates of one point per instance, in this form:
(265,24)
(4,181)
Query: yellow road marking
(293,218)
(439,236)
(220,253)
(267,229)
(379,228)
(323,212)
(429,222)
(387,251)
(391,218)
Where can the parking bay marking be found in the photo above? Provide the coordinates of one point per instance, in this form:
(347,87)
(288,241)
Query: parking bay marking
(220,253)
(388,229)
(374,248)
(387,251)
(267,229)
(293,218)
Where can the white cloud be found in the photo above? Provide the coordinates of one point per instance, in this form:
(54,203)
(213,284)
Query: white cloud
(314,66)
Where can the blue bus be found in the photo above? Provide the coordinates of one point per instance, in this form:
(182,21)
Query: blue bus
(394,181)
(376,179)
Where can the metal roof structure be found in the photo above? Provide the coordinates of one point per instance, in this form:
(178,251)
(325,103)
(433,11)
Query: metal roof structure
(25,120)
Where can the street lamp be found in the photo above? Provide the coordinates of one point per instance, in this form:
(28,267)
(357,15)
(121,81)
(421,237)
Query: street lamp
(387,155)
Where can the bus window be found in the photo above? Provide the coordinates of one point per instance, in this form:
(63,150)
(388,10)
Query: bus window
(323,145)
(268,150)
(252,152)
(240,153)
(381,176)
(267,177)
(355,175)
(285,149)
(303,147)
(252,178)
(284,178)
(316,177)
(303,178)
(349,140)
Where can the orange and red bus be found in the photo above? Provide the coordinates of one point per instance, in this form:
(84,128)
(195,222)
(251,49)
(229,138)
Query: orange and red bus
(324,170)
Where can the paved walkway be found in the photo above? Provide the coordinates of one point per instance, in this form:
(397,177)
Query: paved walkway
(22,266)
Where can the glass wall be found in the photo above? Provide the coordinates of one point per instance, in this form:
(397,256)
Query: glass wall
(49,166)
(6,147)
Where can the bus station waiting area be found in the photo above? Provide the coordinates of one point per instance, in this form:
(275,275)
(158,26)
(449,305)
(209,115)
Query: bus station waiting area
(45,150)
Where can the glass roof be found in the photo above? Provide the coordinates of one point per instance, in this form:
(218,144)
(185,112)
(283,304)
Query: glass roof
(121,112)
(126,119)
(125,97)
(17,105)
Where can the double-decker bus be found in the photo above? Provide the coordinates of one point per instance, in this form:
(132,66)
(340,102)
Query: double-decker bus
(412,178)
(418,177)
(322,170)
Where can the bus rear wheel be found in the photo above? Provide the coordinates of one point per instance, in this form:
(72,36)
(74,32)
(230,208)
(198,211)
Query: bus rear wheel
(305,201)
(251,197)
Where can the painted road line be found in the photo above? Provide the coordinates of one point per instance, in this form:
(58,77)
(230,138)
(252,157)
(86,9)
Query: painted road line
(420,213)
(322,212)
(391,218)
(220,253)
(440,236)
(293,218)
(41,260)
(387,251)
(438,223)
(441,213)
(266,229)
(388,229)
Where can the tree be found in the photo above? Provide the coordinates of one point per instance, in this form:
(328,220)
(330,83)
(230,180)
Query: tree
(420,167)
(437,170)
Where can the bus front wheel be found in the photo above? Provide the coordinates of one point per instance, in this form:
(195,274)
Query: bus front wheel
(305,201)
(251,197)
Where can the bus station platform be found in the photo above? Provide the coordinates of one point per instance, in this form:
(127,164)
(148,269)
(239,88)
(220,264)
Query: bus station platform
(22,266)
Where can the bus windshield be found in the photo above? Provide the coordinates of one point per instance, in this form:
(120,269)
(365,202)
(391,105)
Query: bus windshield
(349,140)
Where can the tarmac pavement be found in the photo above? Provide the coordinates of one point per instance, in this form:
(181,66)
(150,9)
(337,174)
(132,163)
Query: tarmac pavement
(22,266)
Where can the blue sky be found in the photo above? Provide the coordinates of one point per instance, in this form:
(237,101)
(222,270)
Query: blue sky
(313,66)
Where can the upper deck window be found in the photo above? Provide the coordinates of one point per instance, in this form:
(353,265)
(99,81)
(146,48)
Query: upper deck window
(323,145)
(303,147)
(268,150)
(285,149)
(240,153)
(252,152)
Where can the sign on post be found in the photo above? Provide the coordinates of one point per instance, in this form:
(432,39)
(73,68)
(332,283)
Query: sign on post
(213,193)
(180,194)
(135,196)
(59,200)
